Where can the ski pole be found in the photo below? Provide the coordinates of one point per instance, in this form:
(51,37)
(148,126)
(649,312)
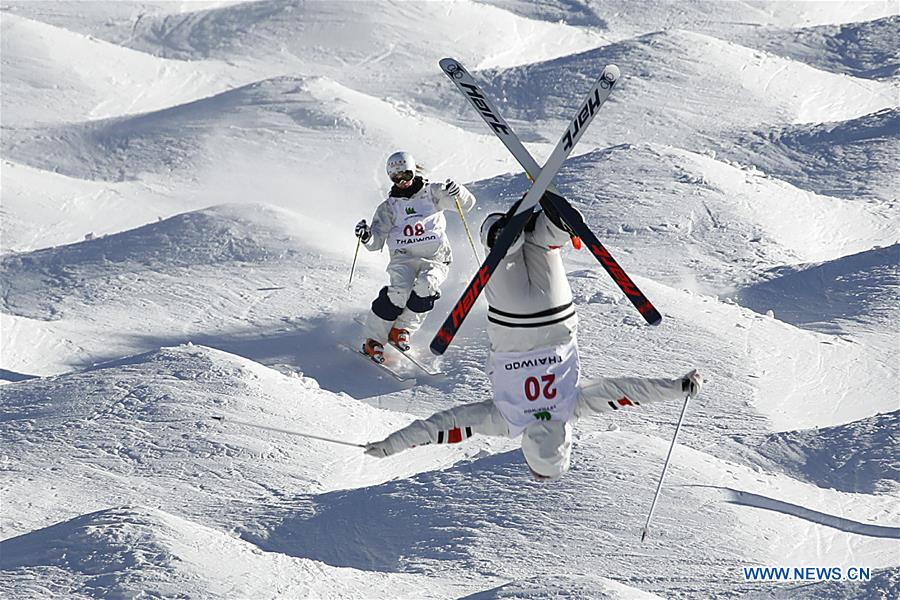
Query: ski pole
(665,467)
(221,419)
(466,227)
(353,266)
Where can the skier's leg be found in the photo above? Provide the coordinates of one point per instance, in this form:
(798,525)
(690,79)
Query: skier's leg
(391,300)
(611,394)
(510,278)
(548,229)
(425,291)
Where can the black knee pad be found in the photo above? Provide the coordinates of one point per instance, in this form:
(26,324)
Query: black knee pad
(418,304)
(384,308)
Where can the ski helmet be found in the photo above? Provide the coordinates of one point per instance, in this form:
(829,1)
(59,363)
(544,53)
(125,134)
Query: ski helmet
(401,166)
(547,447)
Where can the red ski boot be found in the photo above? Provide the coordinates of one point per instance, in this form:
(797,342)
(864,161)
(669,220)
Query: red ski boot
(373,350)
(399,338)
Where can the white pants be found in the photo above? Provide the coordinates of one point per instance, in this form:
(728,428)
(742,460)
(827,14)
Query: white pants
(409,276)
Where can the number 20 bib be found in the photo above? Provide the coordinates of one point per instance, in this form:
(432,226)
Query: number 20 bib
(534,386)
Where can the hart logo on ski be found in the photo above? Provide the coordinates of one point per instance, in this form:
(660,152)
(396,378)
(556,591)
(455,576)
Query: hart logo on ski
(479,102)
(615,271)
(470,296)
(444,336)
(587,111)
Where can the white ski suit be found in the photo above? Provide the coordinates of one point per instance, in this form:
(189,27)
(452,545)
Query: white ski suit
(533,365)
(412,224)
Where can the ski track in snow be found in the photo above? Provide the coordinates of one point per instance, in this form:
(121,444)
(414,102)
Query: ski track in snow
(179,181)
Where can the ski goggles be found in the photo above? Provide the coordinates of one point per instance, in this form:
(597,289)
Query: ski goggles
(402,176)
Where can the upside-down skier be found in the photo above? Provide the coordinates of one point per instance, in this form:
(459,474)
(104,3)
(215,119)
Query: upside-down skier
(533,365)
(411,223)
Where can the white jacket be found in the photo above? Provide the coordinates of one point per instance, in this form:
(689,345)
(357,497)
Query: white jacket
(393,225)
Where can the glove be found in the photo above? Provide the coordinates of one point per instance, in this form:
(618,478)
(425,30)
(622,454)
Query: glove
(362,231)
(691,383)
(451,188)
(379,449)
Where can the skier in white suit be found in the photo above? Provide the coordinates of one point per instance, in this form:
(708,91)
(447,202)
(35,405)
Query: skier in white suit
(533,364)
(411,223)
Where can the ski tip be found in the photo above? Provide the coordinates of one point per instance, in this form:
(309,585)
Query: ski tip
(437,347)
(611,73)
(654,319)
(452,68)
(217,417)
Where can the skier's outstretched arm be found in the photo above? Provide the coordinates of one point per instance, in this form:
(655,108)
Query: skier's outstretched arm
(610,394)
(446,427)
(446,195)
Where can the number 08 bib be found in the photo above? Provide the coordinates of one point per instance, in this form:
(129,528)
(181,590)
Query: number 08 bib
(417,223)
(534,386)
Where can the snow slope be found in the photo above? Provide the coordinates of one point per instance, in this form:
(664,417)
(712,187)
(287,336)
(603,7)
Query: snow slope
(629,19)
(378,43)
(284,115)
(136,550)
(852,159)
(182,260)
(179,182)
(92,79)
(867,49)
(670,81)
(858,293)
(866,462)
(42,209)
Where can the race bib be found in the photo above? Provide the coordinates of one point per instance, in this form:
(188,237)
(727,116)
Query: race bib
(540,385)
(418,222)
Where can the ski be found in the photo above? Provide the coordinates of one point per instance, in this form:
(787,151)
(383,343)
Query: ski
(383,366)
(587,110)
(574,220)
(485,107)
(415,361)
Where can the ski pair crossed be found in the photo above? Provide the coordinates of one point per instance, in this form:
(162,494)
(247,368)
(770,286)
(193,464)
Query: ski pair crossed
(541,187)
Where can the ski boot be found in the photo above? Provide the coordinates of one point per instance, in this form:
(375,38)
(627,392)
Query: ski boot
(399,338)
(558,221)
(373,350)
